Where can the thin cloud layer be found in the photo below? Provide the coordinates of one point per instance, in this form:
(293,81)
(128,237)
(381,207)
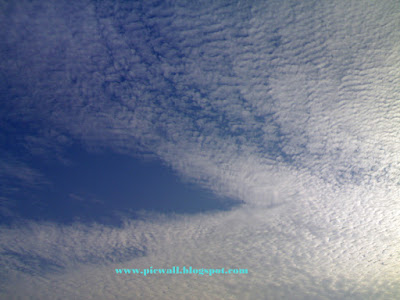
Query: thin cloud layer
(290,107)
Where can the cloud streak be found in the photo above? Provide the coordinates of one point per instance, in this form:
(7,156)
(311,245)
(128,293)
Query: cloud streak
(290,107)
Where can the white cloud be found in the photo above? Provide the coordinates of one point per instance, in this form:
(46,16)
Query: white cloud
(291,107)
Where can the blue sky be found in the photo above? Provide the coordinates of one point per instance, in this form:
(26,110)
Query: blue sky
(252,134)
(103,187)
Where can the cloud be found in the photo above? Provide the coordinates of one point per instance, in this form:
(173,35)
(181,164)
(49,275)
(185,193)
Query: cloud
(290,107)
(288,250)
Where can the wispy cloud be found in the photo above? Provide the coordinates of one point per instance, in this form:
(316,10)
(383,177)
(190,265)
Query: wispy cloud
(290,107)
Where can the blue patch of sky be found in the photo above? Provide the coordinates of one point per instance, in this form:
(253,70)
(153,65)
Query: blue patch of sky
(31,263)
(102,186)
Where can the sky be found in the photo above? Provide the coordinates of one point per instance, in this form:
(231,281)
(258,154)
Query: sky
(261,135)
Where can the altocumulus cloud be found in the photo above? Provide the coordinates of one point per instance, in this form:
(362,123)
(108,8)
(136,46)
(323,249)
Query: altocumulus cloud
(292,107)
